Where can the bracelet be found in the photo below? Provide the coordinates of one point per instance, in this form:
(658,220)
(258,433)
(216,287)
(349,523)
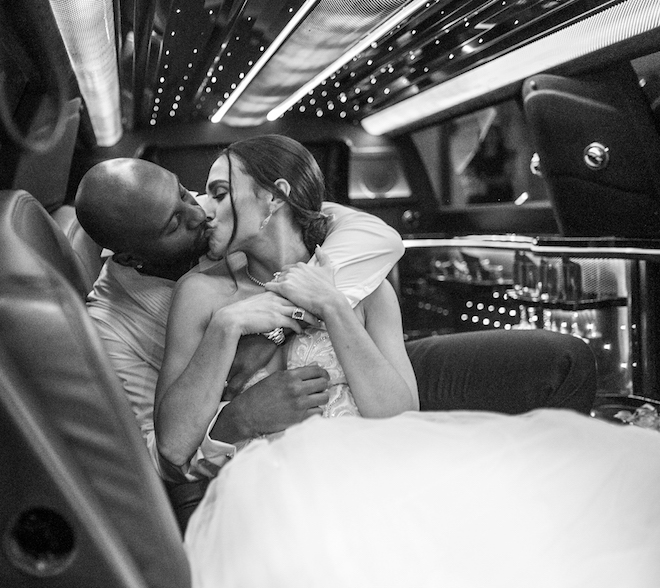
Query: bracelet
(276,335)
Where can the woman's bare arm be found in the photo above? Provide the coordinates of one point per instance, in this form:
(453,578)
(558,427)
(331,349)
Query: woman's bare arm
(199,352)
(207,317)
(372,354)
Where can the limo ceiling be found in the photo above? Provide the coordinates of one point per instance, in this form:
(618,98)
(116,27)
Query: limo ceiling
(156,63)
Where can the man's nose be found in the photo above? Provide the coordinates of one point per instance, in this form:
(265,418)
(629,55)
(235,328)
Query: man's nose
(207,203)
(197,217)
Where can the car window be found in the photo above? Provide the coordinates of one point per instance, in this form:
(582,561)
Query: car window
(482,158)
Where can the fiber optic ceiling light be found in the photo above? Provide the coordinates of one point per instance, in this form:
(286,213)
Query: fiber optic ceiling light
(330,30)
(88,31)
(365,42)
(265,58)
(617,23)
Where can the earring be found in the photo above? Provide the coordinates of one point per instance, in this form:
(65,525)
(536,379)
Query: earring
(266,221)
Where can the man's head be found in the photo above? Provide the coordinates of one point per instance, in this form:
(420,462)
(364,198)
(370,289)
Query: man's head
(142,213)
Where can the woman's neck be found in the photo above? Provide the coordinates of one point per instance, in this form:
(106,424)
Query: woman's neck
(283,247)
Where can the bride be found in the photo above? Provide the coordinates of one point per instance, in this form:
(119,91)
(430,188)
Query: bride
(265,201)
(551,498)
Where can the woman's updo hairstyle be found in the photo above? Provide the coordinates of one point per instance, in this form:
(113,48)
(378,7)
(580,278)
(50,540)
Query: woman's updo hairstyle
(268,158)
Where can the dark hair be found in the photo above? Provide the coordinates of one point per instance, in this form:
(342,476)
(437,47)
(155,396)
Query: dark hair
(268,158)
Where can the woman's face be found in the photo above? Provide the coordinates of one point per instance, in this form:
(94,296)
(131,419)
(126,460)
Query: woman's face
(250,208)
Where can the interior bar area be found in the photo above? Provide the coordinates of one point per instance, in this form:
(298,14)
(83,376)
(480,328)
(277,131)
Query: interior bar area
(593,289)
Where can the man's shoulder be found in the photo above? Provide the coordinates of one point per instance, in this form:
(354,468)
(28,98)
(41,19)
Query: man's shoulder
(122,291)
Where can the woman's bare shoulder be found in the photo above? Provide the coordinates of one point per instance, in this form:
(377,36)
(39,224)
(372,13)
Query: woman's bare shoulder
(201,286)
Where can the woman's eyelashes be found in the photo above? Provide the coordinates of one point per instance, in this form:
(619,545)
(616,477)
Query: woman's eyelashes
(219,195)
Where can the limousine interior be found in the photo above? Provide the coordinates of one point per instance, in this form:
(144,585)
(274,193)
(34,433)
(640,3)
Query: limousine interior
(514,144)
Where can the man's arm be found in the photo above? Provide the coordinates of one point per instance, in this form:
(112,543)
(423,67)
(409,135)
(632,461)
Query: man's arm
(137,376)
(273,404)
(362,249)
(137,371)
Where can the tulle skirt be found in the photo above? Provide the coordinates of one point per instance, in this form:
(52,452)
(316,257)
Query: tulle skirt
(457,499)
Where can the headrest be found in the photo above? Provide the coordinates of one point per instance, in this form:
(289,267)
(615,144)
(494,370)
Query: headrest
(82,504)
(28,229)
(599,151)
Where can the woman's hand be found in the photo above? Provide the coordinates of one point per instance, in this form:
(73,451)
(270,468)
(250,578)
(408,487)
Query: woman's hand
(259,314)
(309,288)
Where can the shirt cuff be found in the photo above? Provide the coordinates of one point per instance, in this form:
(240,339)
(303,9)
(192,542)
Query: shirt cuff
(212,450)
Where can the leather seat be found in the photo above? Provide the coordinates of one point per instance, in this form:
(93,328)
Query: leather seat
(87,252)
(599,148)
(26,225)
(81,502)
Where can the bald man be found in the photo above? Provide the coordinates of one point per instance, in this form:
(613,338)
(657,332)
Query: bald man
(155,229)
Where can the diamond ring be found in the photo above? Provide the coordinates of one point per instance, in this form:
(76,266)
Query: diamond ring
(276,335)
(276,276)
(298,314)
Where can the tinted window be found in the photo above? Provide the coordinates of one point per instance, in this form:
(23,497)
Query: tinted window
(482,158)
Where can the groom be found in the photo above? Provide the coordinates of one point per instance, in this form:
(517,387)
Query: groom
(156,231)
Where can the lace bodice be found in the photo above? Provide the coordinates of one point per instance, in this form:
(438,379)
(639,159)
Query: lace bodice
(313,347)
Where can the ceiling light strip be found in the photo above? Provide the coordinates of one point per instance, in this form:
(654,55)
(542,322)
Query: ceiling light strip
(291,26)
(360,46)
(88,31)
(615,24)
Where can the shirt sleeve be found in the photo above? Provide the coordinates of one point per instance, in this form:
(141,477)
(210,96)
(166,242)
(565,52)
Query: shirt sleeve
(210,456)
(139,377)
(362,248)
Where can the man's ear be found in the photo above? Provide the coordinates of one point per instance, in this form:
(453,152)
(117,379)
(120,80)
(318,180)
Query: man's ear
(128,260)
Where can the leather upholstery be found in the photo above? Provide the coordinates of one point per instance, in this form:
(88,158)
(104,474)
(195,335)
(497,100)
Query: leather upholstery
(567,115)
(81,501)
(26,226)
(504,371)
(87,252)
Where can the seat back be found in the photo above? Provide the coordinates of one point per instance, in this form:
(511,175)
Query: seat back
(24,220)
(86,250)
(81,502)
(599,149)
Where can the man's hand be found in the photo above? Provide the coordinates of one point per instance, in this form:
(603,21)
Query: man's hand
(252,354)
(275,403)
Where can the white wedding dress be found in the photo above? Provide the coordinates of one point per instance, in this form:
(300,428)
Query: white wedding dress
(549,499)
